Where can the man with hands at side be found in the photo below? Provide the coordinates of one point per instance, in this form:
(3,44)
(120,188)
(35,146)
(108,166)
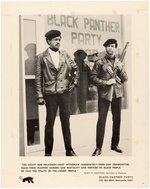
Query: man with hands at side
(55,78)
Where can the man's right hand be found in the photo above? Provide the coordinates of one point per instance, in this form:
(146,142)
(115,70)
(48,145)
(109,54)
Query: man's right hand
(41,101)
(111,81)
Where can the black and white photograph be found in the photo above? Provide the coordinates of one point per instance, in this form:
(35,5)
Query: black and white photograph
(75,94)
(74,84)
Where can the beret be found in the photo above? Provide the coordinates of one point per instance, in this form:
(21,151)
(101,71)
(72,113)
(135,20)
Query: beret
(80,52)
(52,33)
(110,41)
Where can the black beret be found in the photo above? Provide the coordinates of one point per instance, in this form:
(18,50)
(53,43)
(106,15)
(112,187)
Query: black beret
(80,52)
(52,33)
(110,41)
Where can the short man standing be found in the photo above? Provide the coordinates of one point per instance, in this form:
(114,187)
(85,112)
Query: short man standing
(56,77)
(108,75)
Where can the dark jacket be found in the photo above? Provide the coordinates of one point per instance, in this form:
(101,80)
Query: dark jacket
(100,75)
(49,80)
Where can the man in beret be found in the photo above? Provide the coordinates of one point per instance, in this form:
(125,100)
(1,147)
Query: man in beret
(56,77)
(109,92)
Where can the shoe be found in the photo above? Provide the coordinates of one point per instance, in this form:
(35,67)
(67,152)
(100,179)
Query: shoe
(116,148)
(70,153)
(46,154)
(97,152)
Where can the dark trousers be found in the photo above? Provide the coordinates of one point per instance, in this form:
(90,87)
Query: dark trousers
(103,106)
(81,98)
(52,103)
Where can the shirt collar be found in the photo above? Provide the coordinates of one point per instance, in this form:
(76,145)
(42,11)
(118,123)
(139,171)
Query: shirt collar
(109,58)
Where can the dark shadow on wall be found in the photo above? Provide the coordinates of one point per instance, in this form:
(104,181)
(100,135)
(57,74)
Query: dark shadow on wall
(33,136)
(31,60)
(82,99)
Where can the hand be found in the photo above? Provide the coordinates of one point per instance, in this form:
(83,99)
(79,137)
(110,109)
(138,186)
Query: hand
(41,101)
(111,81)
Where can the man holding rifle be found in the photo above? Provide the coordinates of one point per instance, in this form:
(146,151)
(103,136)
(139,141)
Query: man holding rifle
(108,75)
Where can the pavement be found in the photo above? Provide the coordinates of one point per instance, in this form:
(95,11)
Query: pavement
(83,130)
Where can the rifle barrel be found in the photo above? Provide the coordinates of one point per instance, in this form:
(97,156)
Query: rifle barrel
(124,52)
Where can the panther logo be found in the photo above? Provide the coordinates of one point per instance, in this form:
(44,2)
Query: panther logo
(28,179)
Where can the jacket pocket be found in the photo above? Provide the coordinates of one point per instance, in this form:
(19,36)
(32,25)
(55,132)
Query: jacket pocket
(49,87)
(48,83)
(62,85)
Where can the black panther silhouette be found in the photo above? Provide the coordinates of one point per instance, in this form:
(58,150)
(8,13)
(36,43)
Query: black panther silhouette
(28,179)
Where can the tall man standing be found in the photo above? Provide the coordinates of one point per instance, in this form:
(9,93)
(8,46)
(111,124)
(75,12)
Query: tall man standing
(109,92)
(56,77)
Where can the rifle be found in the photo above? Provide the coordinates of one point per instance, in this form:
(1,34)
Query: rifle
(113,73)
(124,52)
(109,69)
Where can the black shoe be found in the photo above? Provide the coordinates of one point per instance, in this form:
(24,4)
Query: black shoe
(70,153)
(46,154)
(116,148)
(97,152)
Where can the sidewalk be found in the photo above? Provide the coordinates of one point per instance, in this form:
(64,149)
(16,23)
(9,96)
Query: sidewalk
(83,129)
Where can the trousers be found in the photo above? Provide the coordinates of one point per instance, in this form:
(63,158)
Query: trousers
(103,106)
(52,103)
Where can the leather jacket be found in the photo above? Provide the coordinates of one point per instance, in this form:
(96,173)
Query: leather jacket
(100,76)
(49,80)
